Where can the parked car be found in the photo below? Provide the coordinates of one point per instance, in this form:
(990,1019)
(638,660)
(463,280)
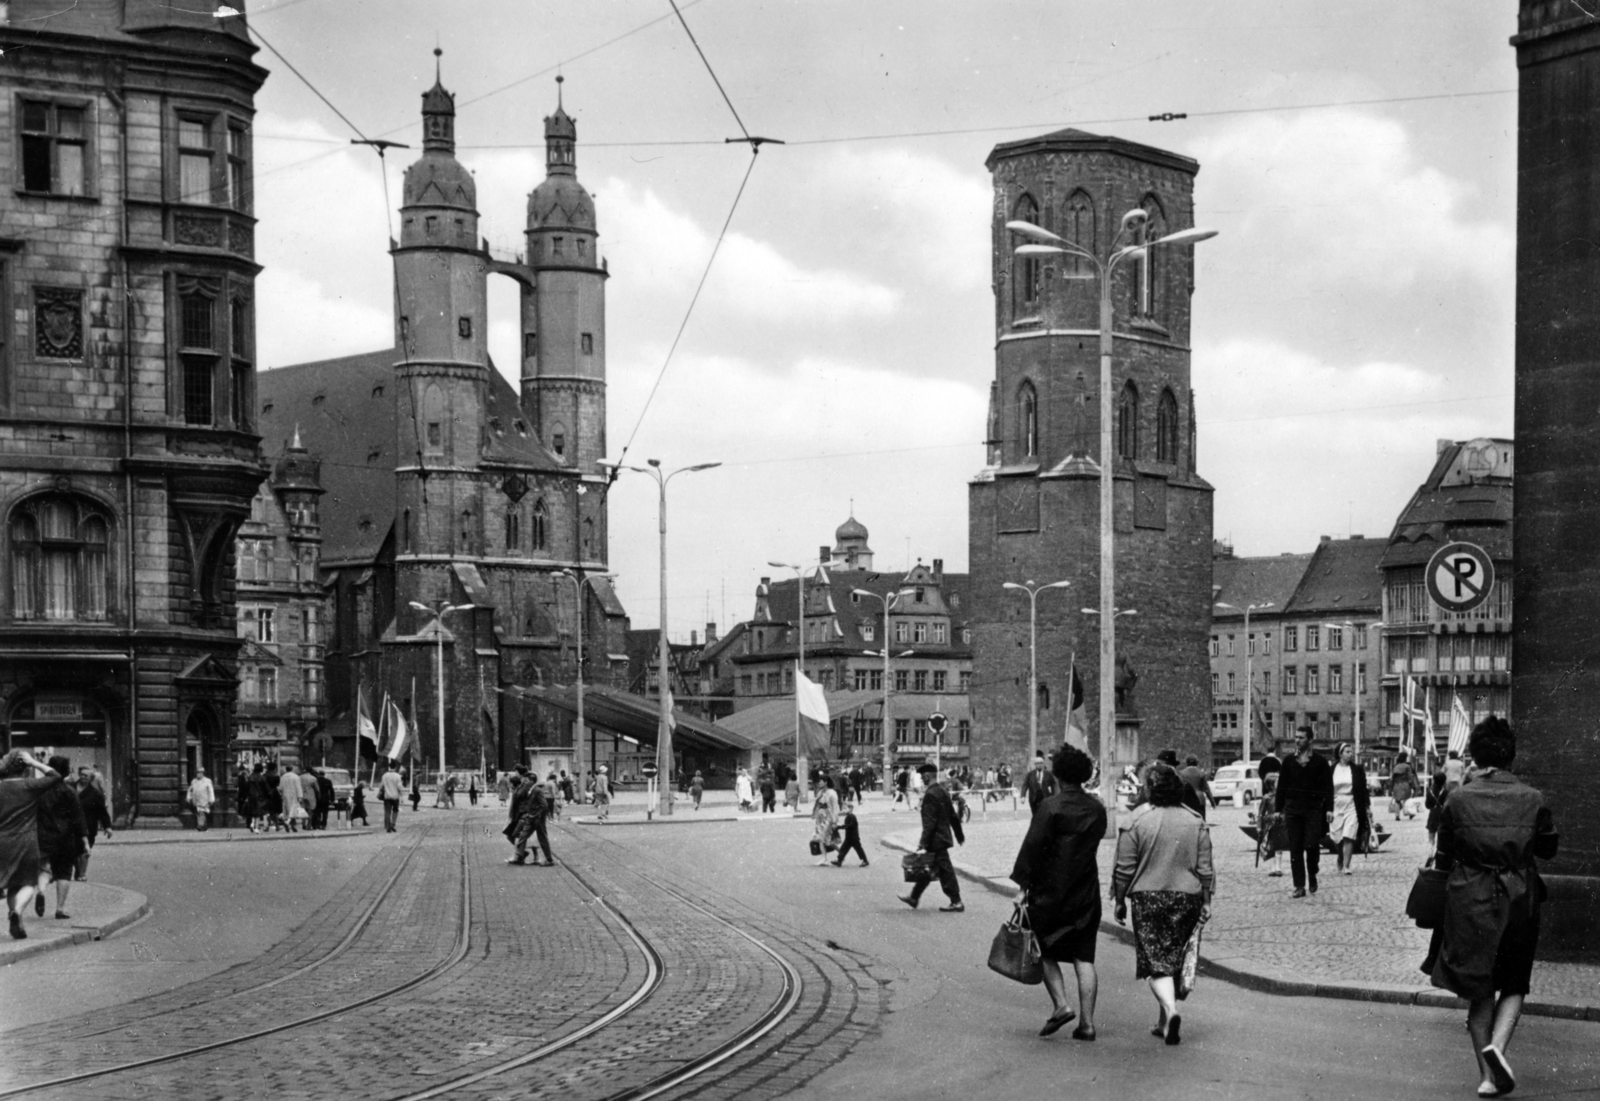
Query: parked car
(343,785)
(1240,776)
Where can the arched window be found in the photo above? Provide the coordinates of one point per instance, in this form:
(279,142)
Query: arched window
(405,531)
(433,421)
(1025,274)
(538,529)
(558,439)
(1147,271)
(1077,226)
(1128,422)
(588,538)
(513,529)
(60,560)
(1028,420)
(1167,428)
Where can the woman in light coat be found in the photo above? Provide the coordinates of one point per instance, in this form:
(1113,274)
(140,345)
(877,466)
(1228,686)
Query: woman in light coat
(824,817)
(1164,866)
(201,796)
(747,795)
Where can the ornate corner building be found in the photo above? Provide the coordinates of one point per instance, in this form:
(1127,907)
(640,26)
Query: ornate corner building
(128,446)
(444,484)
(1034,510)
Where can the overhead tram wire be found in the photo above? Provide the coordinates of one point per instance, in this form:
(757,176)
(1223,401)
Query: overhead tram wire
(755,144)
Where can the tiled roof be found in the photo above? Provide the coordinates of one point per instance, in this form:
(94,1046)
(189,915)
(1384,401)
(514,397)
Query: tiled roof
(1246,581)
(345,411)
(851,614)
(1438,514)
(1342,577)
(1083,140)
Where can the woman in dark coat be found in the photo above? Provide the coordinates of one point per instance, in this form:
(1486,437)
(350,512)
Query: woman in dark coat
(1491,831)
(19,830)
(1060,881)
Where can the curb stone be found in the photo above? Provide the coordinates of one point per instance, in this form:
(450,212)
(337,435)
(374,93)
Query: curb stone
(138,907)
(1240,971)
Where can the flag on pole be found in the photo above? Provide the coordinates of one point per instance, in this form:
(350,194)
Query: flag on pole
(1412,712)
(1427,722)
(672,720)
(1077,733)
(397,723)
(812,704)
(1460,727)
(365,731)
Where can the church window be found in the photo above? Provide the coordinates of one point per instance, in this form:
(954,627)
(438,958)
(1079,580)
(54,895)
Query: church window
(1028,416)
(59,560)
(513,529)
(536,530)
(434,435)
(583,246)
(557,245)
(588,537)
(1167,428)
(55,150)
(530,345)
(433,417)
(586,341)
(1147,269)
(405,529)
(558,440)
(1128,422)
(1026,270)
(430,225)
(1078,227)
(464,327)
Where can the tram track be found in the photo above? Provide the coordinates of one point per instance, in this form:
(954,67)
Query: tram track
(686,1072)
(338,950)
(458,953)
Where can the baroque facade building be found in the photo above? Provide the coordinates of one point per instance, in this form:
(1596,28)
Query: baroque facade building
(281,705)
(128,446)
(447,486)
(1034,510)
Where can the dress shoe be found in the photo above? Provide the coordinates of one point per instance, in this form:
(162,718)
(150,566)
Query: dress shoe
(954,908)
(1174,1023)
(62,915)
(1299,892)
(1057,1021)
(909,900)
(1499,1069)
(17,931)
(38,904)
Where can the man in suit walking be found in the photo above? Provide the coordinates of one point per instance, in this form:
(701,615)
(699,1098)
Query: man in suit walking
(1038,785)
(940,829)
(1305,799)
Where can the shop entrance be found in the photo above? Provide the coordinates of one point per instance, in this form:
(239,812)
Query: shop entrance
(71,725)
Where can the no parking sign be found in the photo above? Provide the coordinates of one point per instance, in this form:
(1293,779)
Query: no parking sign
(1460,576)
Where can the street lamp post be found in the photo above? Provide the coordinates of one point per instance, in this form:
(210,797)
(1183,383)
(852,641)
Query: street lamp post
(802,776)
(438,615)
(1132,221)
(664,722)
(1033,592)
(888,602)
(1249,670)
(578,583)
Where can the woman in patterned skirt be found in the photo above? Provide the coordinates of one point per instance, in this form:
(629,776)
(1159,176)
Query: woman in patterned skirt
(1164,866)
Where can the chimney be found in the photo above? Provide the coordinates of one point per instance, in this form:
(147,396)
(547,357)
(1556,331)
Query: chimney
(1441,446)
(938,571)
(824,554)
(1327,538)
(711,633)
(1358,537)
(694,638)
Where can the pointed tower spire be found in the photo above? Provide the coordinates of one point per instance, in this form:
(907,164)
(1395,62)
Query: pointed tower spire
(295,445)
(438,112)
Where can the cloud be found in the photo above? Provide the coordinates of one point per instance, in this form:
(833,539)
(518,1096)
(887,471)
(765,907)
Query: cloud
(1324,196)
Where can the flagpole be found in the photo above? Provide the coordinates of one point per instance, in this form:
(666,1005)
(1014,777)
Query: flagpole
(1072,680)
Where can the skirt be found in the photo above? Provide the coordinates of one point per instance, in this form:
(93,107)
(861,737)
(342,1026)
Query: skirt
(1346,821)
(1073,945)
(1163,922)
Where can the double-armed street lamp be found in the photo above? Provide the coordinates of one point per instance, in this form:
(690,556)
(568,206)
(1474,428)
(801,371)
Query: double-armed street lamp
(1033,592)
(652,467)
(578,584)
(1108,784)
(438,613)
(802,774)
(887,600)
(1133,225)
(1249,669)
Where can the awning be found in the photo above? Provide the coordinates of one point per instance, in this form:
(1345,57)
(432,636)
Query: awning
(772,722)
(638,717)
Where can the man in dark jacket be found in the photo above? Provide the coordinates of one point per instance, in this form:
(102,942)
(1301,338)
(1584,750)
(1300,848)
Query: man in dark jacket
(324,799)
(63,836)
(1305,799)
(1038,785)
(529,809)
(96,817)
(940,829)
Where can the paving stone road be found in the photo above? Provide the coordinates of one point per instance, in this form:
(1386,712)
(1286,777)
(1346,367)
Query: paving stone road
(543,960)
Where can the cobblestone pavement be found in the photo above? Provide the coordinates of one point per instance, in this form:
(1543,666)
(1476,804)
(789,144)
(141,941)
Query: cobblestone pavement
(543,960)
(1354,930)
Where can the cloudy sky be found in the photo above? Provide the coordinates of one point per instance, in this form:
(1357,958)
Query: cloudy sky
(1357,157)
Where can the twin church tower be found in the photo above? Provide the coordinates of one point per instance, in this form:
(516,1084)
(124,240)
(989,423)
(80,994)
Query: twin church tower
(445,485)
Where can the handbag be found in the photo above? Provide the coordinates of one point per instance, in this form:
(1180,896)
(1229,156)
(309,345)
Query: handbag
(1015,951)
(917,867)
(1425,903)
(1189,970)
(833,839)
(816,847)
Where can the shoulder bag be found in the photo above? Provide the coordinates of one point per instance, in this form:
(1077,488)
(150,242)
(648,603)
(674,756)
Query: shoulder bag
(1015,951)
(1425,904)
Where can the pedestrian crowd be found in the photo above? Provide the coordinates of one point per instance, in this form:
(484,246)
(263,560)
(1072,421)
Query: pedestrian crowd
(49,821)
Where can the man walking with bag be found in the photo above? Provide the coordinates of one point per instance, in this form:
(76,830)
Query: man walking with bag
(940,829)
(391,789)
(529,808)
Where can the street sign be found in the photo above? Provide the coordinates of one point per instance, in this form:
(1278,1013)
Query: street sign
(649,770)
(937,722)
(1459,577)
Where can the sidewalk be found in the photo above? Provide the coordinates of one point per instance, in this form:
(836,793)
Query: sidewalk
(628,809)
(1350,940)
(97,910)
(138,836)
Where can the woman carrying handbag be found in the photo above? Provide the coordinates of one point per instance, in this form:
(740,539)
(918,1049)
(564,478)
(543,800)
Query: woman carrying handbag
(1060,880)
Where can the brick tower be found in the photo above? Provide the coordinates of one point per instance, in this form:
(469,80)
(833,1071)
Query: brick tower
(1034,509)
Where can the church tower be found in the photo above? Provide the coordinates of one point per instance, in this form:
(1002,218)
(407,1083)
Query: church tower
(564,318)
(1034,510)
(442,371)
